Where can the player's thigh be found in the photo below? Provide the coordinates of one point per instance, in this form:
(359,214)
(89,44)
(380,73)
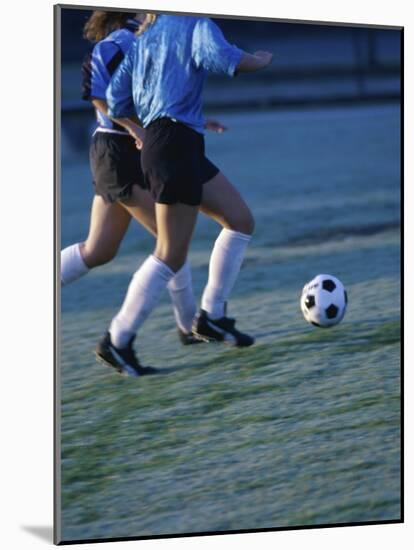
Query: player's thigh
(141,207)
(175,224)
(108,225)
(222,202)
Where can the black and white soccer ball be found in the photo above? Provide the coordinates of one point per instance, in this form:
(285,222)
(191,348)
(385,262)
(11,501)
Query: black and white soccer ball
(324,301)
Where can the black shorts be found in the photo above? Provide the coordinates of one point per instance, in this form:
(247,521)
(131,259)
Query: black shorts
(115,164)
(174,163)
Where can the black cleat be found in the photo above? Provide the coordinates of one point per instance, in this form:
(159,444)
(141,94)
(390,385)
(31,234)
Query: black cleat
(219,330)
(123,360)
(188,338)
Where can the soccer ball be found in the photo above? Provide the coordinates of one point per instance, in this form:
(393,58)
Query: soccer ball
(323,301)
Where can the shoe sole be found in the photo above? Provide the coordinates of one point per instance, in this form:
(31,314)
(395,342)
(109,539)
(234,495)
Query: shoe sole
(201,338)
(191,342)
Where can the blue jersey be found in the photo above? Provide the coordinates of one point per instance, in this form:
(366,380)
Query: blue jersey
(163,73)
(101,63)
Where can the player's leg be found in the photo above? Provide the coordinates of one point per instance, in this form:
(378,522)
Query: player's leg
(108,225)
(223,202)
(175,225)
(171,164)
(141,206)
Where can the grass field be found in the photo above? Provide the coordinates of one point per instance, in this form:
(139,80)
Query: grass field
(301,429)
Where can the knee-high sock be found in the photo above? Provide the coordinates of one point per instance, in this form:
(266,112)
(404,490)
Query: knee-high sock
(142,296)
(181,293)
(72,266)
(180,287)
(225,263)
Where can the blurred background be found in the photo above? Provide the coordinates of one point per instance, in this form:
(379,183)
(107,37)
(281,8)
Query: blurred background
(303,428)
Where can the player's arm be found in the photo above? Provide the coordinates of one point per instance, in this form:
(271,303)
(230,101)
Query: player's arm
(134,128)
(119,98)
(131,124)
(254,62)
(215,126)
(212,52)
(102,106)
(118,94)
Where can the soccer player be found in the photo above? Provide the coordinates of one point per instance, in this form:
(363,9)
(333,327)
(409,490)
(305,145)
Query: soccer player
(161,80)
(120,193)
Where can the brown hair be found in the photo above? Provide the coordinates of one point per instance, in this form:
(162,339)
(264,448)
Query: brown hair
(102,23)
(147,22)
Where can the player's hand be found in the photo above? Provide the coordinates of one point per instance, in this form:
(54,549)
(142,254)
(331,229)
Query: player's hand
(264,57)
(215,126)
(138,134)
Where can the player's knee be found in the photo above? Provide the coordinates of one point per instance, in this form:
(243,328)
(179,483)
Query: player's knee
(174,259)
(243,222)
(249,223)
(175,263)
(95,256)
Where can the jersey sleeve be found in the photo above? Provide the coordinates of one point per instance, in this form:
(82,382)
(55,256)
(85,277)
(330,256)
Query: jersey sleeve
(97,69)
(119,96)
(211,51)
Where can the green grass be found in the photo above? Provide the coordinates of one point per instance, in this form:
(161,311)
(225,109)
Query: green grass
(303,428)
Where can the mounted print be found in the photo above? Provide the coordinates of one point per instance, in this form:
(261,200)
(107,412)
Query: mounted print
(228,274)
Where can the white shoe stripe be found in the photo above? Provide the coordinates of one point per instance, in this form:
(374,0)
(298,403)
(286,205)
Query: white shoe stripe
(125,367)
(228,337)
(129,370)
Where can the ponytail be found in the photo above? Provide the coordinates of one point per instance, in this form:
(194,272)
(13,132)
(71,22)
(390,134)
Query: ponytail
(149,20)
(102,23)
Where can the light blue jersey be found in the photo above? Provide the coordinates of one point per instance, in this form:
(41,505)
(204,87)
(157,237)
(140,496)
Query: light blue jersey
(163,72)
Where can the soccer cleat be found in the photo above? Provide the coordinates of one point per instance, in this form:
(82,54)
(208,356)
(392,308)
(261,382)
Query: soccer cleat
(187,339)
(122,360)
(219,330)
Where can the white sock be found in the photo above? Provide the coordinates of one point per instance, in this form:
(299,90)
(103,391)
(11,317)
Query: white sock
(143,293)
(181,293)
(225,262)
(72,266)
